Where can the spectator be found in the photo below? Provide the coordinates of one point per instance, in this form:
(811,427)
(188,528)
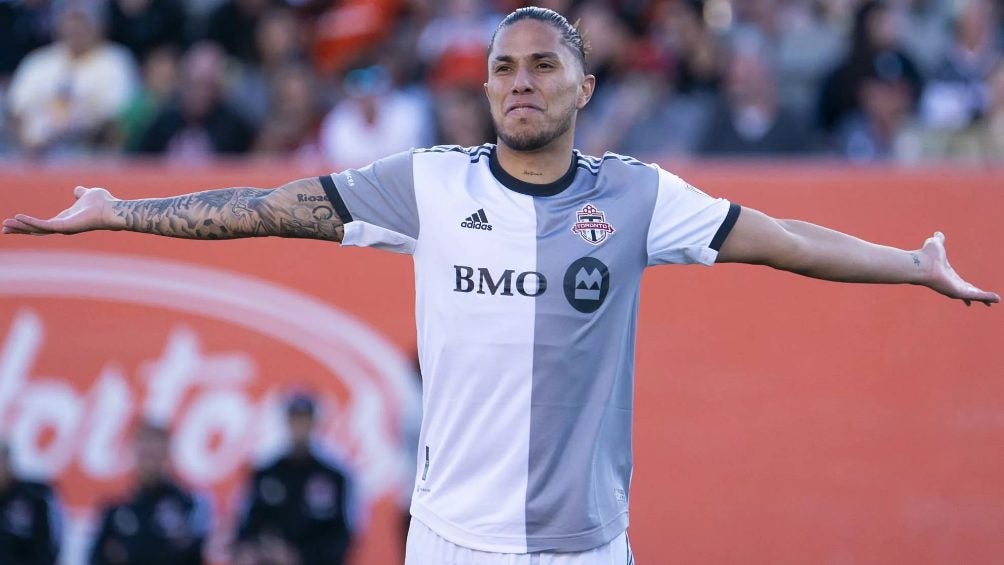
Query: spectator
(279,44)
(957,93)
(462,117)
(234,25)
(24,27)
(301,507)
(875,36)
(750,119)
(199,123)
(981,142)
(290,128)
(143,26)
(454,45)
(64,97)
(160,77)
(29,520)
(692,45)
(802,44)
(885,96)
(373,119)
(159,522)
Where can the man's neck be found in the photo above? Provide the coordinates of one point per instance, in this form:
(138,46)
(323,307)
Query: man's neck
(542,166)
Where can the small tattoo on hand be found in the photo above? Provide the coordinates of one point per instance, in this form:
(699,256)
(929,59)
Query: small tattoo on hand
(916,259)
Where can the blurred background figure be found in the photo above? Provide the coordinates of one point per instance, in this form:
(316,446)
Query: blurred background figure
(233,25)
(29,518)
(144,26)
(158,522)
(279,40)
(883,113)
(200,123)
(374,119)
(875,40)
(749,118)
(24,27)
(64,97)
(957,94)
(301,508)
(462,117)
(160,77)
(291,124)
(453,47)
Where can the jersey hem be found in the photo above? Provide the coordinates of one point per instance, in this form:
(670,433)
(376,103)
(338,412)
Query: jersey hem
(512,544)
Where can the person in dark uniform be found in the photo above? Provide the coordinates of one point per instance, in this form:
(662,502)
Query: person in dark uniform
(29,520)
(300,507)
(160,522)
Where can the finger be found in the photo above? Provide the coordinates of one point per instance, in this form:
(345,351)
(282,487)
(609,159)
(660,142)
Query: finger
(968,303)
(36,223)
(18,223)
(982,296)
(939,236)
(79,191)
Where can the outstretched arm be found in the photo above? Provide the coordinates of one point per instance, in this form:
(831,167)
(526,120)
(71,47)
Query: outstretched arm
(297,209)
(814,251)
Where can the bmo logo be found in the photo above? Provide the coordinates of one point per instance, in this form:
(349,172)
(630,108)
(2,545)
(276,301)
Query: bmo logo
(481,280)
(586,284)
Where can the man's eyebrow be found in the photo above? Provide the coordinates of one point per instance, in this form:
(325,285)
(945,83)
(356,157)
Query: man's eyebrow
(533,56)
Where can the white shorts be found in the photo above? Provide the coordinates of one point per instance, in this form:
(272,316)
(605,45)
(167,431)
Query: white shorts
(426,547)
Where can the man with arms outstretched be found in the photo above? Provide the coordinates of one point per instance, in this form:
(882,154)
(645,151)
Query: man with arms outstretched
(528,260)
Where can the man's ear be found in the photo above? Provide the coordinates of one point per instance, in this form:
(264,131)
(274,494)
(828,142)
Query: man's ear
(586,91)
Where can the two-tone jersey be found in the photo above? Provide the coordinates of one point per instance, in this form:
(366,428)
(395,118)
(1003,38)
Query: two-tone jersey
(527,300)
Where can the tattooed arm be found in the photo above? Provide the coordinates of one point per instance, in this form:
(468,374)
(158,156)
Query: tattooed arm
(298,209)
(818,252)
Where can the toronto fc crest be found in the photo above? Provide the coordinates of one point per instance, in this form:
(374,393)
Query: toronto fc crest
(591,225)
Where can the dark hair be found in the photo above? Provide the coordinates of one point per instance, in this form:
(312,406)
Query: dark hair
(569,34)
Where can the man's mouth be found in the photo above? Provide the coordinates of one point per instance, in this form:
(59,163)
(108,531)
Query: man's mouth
(523,109)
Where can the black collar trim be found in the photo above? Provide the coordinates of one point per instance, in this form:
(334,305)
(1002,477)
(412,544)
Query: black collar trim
(521,186)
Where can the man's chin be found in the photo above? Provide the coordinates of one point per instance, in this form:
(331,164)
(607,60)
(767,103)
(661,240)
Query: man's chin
(526,142)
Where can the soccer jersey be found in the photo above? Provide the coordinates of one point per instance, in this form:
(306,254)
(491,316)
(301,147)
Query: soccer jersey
(527,300)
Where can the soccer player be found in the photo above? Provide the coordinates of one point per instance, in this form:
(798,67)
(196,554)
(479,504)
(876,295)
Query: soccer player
(528,258)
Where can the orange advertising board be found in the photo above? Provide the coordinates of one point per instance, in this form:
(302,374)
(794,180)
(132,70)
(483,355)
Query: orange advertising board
(778,419)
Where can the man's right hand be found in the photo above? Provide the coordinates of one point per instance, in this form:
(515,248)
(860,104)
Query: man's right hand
(91,211)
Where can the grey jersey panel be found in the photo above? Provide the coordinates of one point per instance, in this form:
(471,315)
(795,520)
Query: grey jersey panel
(583,361)
(382,194)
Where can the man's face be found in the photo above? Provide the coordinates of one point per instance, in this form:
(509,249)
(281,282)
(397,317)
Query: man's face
(535,85)
(300,426)
(153,454)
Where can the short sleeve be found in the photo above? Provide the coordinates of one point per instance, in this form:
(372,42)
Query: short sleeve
(688,226)
(377,203)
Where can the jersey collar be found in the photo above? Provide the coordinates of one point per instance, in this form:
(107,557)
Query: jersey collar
(529,188)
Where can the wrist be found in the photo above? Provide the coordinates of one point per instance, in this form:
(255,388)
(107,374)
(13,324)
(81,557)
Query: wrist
(112,217)
(921,267)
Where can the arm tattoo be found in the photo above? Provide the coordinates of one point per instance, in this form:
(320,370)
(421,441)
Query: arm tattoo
(231,213)
(916,259)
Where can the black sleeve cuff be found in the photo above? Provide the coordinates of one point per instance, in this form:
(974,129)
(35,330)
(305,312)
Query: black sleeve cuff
(336,199)
(726,227)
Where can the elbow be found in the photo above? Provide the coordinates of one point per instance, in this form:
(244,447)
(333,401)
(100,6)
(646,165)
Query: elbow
(791,252)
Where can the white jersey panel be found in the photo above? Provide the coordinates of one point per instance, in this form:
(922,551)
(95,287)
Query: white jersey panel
(684,223)
(475,286)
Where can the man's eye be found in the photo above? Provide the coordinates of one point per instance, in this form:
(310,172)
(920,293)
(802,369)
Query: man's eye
(502,69)
(545,66)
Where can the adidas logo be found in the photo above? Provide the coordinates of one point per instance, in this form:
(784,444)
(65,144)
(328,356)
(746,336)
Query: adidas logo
(477,221)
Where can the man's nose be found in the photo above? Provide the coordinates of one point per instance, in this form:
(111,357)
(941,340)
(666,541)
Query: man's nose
(522,81)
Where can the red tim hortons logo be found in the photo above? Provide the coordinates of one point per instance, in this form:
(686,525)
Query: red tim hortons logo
(591,225)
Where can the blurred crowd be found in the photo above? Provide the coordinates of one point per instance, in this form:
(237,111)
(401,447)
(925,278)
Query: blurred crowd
(349,81)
